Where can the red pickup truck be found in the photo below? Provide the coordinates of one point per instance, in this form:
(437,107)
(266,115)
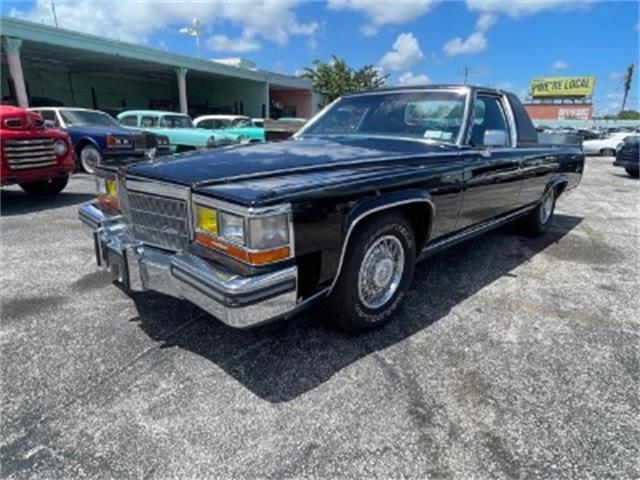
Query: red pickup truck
(37,158)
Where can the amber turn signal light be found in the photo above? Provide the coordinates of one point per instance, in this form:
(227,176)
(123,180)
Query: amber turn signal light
(107,200)
(242,254)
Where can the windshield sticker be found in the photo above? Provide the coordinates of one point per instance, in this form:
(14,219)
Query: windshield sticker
(437,135)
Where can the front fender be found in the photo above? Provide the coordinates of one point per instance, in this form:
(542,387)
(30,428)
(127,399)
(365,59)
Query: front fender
(83,140)
(380,203)
(385,202)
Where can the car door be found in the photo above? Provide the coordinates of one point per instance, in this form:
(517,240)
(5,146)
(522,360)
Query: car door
(492,173)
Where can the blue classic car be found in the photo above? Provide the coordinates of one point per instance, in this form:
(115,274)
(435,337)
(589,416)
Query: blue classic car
(178,127)
(96,136)
(239,126)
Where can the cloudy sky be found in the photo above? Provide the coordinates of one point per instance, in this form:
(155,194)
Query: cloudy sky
(502,43)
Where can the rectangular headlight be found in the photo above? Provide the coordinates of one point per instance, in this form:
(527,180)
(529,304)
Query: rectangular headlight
(107,186)
(255,237)
(111,187)
(206,220)
(268,232)
(231,228)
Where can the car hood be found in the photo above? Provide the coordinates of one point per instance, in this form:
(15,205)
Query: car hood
(98,130)
(218,166)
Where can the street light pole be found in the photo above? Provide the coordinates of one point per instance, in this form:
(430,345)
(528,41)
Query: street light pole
(194,30)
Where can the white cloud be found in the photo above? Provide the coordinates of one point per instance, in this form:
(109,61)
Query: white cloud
(474,43)
(616,76)
(486,21)
(614,96)
(522,8)
(408,78)
(405,54)
(490,10)
(267,20)
(222,43)
(383,13)
(505,86)
(559,65)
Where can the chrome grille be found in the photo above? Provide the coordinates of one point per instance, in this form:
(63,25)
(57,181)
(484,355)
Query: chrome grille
(156,219)
(145,141)
(29,153)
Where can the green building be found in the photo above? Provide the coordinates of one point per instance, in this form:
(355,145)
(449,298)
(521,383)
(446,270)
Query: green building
(44,65)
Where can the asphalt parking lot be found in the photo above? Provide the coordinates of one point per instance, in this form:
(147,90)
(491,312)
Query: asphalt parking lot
(512,358)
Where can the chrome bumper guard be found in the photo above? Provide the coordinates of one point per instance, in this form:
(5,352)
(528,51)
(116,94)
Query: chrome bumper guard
(237,301)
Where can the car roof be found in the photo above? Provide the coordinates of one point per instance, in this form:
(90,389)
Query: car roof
(66,108)
(151,112)
(452,86)
(220,117)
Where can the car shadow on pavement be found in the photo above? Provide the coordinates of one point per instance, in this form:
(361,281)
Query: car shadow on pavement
(17,202)
(281,361)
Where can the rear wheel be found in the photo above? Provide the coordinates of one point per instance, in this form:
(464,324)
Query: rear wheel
(537,222)
(608,152)
(46,187)
(377,270)
(90,156)
(633,172)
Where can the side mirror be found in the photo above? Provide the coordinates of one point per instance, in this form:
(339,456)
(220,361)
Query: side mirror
(50,124)
(494,138)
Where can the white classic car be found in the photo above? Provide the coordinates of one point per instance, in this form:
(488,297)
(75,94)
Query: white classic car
(607,146)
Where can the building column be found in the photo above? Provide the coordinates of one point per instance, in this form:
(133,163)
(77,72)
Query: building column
(181,73)
(267,101)
(13,46)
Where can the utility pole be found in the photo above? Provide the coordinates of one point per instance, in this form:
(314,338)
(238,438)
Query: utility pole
(465,72)
(55,15)
(628,76)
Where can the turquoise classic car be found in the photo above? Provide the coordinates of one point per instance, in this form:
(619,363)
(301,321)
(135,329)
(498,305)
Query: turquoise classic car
(240,126)
(183,136)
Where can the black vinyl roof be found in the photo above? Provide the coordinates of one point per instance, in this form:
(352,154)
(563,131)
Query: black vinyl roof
(427,87)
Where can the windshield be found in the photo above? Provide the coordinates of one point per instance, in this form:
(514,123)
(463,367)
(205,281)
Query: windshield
(431,115)
(87,117)
(176,121)
(243,123)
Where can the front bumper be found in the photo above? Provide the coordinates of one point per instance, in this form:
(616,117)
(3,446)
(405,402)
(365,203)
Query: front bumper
(237,301)
(631,165)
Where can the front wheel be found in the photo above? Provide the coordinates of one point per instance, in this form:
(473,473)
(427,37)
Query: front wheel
(537,222)
(633,172)
(608,152)
(46,187)
(90,156)
(377,270)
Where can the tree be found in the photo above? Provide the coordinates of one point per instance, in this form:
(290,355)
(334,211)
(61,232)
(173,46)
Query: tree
(628,115)
(336,78)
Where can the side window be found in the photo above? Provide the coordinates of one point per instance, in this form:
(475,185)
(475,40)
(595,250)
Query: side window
(205,124)
(129,121)
(149,122)
(50,115)
(488,115)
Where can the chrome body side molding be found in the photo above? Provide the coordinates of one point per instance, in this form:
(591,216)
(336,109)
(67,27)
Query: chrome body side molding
(472,231)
